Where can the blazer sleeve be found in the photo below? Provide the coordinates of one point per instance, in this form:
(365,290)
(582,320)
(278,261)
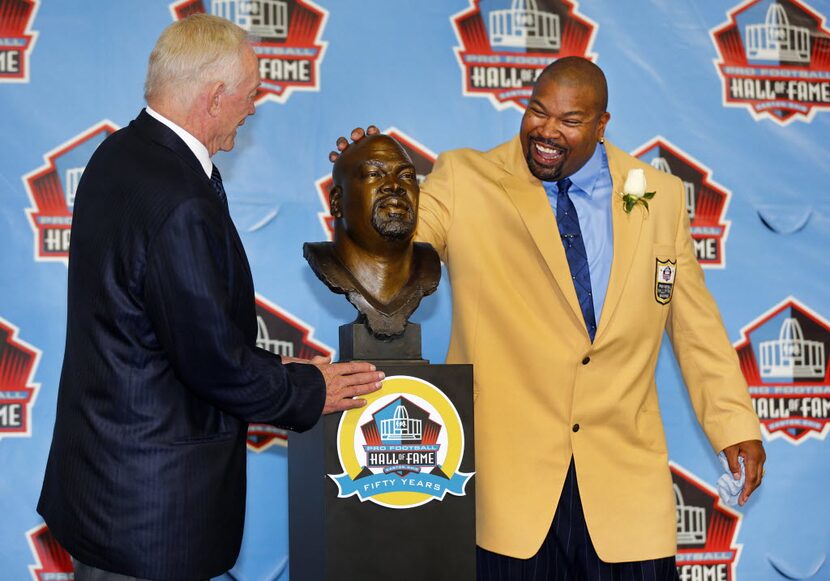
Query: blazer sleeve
(436,205)
(708,362)
(189,301)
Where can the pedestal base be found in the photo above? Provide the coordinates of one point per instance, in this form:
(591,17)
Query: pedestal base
(334,538)
(356,342)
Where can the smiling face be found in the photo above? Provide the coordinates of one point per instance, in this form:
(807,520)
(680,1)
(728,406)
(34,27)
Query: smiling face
(375,194)
(564,120)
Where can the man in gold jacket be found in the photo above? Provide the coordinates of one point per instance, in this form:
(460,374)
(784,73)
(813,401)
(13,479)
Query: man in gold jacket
(561,398)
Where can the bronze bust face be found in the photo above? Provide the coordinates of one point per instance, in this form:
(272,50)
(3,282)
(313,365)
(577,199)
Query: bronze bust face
(373,259)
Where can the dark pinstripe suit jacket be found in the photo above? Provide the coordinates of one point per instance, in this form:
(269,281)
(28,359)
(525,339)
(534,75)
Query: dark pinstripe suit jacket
(146,474)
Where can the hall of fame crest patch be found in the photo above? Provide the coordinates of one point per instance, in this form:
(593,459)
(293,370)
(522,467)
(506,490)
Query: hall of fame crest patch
(664,280)
(404,448)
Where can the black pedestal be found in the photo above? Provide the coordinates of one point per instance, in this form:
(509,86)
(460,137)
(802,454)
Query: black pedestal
(357,343)
(348,539)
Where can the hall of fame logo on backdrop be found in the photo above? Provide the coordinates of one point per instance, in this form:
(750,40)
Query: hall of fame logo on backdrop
(783,356)
(774,59)
(52,562)
(17,39)
(287,336)
(52,188)
(707,531)
(505,44)
(287,39)
(422,158)
(706,200)
(404,448)
(18,361)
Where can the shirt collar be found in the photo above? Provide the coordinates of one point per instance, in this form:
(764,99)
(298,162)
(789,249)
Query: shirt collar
(586,177)
(196,146)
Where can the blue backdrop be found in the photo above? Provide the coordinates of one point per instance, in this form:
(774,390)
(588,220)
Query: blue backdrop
(732,96)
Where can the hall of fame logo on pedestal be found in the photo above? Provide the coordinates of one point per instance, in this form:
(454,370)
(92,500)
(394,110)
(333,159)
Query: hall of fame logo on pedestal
(422,158)
(503,48)
(17,39)
(404,448)
(52,188)
(52,562)
(706,200)
(287,336)
(286,37)
(783,356)
(774,59)
(707,531)
(18,362)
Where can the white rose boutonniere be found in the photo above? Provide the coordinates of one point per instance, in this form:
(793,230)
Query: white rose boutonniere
(634,191)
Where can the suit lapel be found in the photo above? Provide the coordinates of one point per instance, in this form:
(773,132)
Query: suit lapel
(627,229)
(163,135)
(531,202)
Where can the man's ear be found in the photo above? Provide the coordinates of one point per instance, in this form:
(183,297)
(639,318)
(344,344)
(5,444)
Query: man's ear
(215,93)
(336,201)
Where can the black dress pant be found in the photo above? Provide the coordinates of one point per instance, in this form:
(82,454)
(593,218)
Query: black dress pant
(567,553)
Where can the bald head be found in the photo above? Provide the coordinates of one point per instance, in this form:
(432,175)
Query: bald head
(374,199)
(574,71)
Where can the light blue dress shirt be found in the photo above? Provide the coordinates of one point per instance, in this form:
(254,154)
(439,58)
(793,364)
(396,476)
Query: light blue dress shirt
(591,195)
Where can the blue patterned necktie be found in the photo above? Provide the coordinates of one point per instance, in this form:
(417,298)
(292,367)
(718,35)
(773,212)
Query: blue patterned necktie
(568,221)
(216,182)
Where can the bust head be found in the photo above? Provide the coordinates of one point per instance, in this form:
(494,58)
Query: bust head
(374,200)
(373,258)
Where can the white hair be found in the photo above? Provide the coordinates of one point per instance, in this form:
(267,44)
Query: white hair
(193,52)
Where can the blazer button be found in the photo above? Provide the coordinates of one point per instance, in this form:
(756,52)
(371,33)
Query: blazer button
(576,428)
(586,361)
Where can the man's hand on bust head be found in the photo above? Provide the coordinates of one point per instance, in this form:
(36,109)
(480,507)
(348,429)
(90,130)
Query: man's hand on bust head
(356,135)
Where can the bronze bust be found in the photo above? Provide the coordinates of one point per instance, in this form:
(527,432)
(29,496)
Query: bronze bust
(373,259)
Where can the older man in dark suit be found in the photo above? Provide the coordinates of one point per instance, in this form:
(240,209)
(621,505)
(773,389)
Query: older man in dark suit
(146,474)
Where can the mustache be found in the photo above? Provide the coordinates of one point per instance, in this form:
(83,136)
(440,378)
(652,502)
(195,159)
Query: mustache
(393,199)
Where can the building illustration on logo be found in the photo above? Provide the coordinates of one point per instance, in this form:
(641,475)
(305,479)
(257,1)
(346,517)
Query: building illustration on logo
(404,449)
(706,200)
(18,392)
(287,336)
(707,531)
(422,158)
(17,39)
(52,562)
(400,426)
(502,49)
(266,18)
(286,37)
(783,357)
(691,521)
(774,59)
(523,25)
(791,355)
(52,188)
(776,39)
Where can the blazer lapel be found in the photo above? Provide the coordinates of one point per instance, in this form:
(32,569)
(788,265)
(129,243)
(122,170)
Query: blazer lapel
(627,229)
(528,196)
(164,136)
